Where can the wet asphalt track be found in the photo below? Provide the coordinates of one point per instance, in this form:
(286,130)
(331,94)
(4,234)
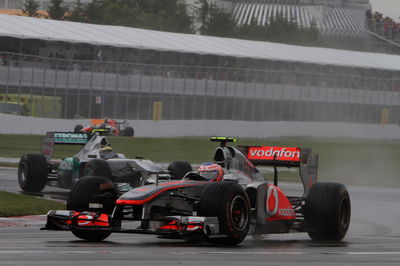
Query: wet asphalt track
(373,239)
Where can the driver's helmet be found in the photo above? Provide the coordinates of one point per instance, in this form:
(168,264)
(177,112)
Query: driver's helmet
(211,171)
(107,153)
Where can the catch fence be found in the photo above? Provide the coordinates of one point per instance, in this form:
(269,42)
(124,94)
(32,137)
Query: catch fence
(282,92)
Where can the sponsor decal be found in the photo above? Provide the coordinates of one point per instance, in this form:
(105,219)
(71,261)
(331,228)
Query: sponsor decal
(86,219)
(92,219)
(272,201)
(286,212)
(70,138)
(274,153)
(277,206)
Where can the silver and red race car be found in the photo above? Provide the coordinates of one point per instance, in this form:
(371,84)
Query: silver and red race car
(207,206)
(107,126)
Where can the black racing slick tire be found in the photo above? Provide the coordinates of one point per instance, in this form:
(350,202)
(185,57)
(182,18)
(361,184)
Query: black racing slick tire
(327,212)
(129,132)
(32,172)
(78,128)
(229,202)
(179,169)
(92,191)
(97,167)
(94,194)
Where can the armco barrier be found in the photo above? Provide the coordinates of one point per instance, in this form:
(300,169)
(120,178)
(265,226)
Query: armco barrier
(205,128)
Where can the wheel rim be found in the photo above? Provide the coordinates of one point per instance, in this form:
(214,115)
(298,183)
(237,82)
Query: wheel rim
(239,213)
(22,174)
(344,214)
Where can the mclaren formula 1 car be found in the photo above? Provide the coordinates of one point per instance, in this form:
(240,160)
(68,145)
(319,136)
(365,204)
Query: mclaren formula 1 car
(96,158)
(242,203)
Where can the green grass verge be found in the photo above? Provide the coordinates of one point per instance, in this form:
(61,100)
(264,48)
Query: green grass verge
(350,161)
(20,205)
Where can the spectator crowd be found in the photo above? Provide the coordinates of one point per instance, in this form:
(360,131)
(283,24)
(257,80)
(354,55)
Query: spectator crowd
(383,25)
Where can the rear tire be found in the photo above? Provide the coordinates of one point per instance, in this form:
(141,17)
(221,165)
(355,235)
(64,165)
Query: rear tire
(78,128)
(129,132)
(32,172)
(90,191)
(179,169)
(229,202)
(327,212)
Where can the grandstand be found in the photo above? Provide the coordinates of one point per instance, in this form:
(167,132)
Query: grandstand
(341,23)
(325,15)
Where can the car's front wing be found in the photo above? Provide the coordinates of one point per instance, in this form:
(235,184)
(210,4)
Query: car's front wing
(177,226)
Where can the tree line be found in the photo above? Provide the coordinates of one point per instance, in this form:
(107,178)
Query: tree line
(204,18)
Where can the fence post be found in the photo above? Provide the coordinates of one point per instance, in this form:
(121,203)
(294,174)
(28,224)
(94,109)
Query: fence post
(78,97)
(139,93)
(103,92)
(128,94)
(66,90)
(44,84)
(384,117)
(226,75)
(184,95)
(157,111)
(116,92)
(151,93)
(91,90)
(214,111)
(194,105)
(204,116)
(244,96)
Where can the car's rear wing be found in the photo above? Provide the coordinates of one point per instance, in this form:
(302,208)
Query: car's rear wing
(273,156)
(303,158)
(65,138)
(101,131)
(223,140)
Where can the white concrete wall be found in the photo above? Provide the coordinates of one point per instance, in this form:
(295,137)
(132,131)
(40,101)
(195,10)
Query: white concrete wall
(206,128)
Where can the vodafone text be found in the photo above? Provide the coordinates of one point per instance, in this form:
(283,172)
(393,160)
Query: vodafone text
(272,153)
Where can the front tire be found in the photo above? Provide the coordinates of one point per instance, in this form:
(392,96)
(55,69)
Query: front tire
(327,212)
(94,194)
(32,172)
(229,202)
